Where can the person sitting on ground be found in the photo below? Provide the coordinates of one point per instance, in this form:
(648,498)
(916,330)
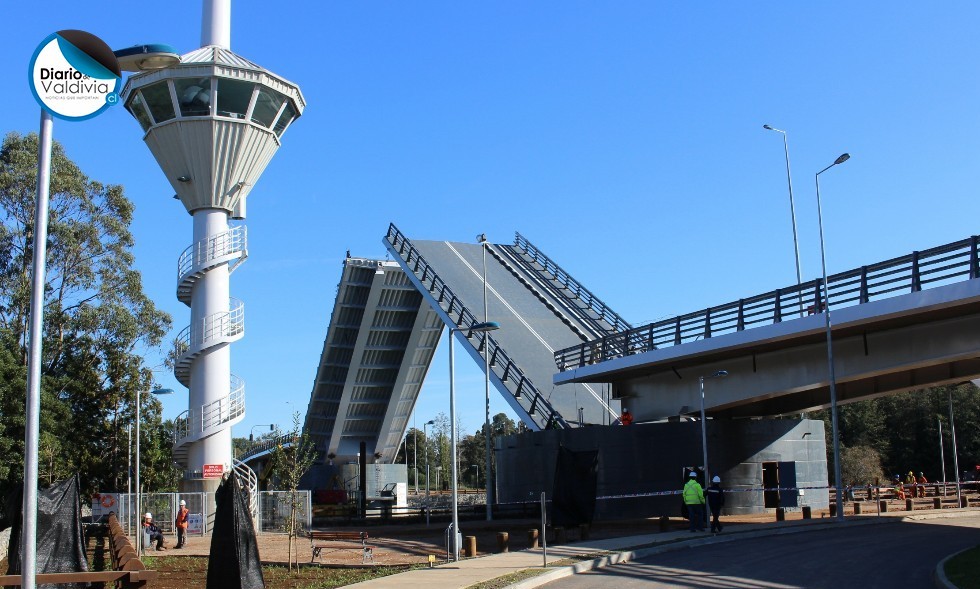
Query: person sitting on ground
(899,489)
(151,529)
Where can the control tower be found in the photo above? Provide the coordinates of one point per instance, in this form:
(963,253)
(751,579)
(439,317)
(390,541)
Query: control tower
(213,122)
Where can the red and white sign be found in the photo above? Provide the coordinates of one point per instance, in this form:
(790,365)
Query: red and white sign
(213,471)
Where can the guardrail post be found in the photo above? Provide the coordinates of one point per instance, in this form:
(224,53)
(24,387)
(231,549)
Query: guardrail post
(740,323)
(863,295)
(974,257)
(817,299)
(777,312)
(677,332)
(916,283)
(707,323)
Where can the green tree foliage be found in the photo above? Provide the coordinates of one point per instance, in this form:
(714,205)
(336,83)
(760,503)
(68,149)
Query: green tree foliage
(904,430)
(861,465)
(98,323)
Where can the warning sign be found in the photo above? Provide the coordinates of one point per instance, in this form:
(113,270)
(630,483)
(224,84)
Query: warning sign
(213,471)
(195,524)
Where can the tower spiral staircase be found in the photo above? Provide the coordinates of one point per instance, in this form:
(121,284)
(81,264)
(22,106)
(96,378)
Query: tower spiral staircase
(218,329)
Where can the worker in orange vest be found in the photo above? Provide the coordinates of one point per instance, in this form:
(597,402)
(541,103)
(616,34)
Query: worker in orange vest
(626,418)
(181,524)
(921,488)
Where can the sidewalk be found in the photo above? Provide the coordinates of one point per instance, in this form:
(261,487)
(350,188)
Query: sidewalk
(470,571)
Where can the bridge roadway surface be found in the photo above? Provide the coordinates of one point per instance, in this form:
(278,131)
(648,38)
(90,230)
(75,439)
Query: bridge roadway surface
(865,551)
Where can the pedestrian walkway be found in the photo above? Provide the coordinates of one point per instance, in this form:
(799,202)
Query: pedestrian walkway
(471,571)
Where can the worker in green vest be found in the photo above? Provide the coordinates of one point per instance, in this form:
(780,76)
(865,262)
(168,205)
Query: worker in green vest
(694,499)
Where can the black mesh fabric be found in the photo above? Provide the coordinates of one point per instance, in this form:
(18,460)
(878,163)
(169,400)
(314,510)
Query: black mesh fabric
(234,561)
(576,478)
(60,543)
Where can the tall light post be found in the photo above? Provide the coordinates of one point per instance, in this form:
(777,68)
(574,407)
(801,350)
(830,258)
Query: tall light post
(482,238)
(942,454)
(484,327)
(830,343)
(251,433)
(139,507)
(792,213)
(956,460)
(150,57)
(704,424)
(425,434)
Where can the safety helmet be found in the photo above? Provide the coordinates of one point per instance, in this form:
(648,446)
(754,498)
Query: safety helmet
(693,474)
(148,516)
(717,479)
(183,503)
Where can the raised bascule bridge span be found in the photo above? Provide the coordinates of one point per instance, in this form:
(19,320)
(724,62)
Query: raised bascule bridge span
(389,317)
(902,324)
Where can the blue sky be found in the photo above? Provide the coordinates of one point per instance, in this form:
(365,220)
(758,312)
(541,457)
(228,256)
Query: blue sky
(623,138)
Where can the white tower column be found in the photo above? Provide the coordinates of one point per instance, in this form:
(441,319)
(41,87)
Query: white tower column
(210,373)
(216,23)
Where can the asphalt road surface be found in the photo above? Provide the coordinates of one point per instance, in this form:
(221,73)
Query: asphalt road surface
(890,555)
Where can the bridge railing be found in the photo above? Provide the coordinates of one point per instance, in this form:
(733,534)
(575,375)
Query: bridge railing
(461,316)
(572,285)
(938,266)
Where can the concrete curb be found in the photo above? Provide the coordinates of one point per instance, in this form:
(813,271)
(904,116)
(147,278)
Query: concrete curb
(642,552)
(939,575)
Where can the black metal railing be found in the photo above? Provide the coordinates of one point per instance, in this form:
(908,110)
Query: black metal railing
(255,448)
(939,266)
(572,285)
(500,362)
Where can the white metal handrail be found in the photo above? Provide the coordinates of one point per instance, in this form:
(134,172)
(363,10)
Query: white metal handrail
(213,247)
(219,325)
(247,479)
(200,419)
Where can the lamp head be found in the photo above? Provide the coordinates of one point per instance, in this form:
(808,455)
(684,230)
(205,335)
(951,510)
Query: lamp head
(430,422)
(481,238)
(843,158)
(162,392)
(484,327)
(720,374)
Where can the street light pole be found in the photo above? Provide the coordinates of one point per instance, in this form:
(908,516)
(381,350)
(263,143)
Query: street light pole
(425,434)
(830,344)
(942,455)
(139,507)
(956,460)
(486,373)
(792,212)
(704,424)
(484,327)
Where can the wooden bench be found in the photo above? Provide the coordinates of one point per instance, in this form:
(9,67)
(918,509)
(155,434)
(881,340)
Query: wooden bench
(336,541)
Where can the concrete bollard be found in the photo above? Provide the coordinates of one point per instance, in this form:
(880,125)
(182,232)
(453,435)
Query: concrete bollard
(560,535)
(963,501)
(664,523)
(503,542)
(833,510)
(780,514)
(857,508)
(882,506)
(532,538)
(908,505)
(937,503)
(807,512)
(469,546)
(583,531)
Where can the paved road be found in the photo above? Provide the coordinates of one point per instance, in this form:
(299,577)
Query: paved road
(899,554)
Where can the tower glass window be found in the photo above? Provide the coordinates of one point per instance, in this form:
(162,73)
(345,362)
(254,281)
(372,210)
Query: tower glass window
(267,106)
(136,108)
(194,96)
(234,97)
(157,97)
(288,114)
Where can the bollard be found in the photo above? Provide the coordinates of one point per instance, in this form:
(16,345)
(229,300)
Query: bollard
(882,506)
(963,501)
(908,505)
(664,523)
(833,510)
(559,535)
(807,514)
(870,494)
(937,503)
(532,538)
(503,542)
(469,546)
(857,508)
(780,514)
(583,531)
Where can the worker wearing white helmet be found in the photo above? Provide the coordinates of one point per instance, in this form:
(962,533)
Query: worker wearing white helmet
(716,500)
(150,529)
(181,524)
